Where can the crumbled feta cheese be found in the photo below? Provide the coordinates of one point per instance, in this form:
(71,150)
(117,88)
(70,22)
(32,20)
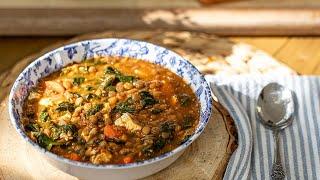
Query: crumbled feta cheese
(45,102)
(126,121)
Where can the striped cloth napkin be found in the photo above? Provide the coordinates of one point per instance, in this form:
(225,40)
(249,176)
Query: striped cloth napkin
(300,142)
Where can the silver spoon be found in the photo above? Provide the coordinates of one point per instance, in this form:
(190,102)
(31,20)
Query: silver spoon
(275,108)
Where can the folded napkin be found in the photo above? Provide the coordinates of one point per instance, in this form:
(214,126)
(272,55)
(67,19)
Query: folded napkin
(300,142)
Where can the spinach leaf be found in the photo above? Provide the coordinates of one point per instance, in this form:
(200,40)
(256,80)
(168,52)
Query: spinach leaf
(125,107)
(119,76)
(46,142)
(44,116)
(126,78)
(148,150)
(68,127)
(184,99)
(93,110)
(108,81)
(65,106)
(187,122)
(57,130)
(110,70)
(147,99)
(167,126)
(78,80)
(159,144)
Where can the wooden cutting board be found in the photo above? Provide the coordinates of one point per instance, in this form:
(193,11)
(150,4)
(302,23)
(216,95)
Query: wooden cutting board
(206,158)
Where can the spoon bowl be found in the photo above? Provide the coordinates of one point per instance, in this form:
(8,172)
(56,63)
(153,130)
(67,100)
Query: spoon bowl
(275,107)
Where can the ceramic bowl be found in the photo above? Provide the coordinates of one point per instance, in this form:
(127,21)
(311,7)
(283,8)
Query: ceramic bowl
(58,58)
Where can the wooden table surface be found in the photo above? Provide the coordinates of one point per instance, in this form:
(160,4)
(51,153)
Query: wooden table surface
(300,53)
(229,17)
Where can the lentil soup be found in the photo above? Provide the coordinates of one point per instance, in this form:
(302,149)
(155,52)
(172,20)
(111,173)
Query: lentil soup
(111,110)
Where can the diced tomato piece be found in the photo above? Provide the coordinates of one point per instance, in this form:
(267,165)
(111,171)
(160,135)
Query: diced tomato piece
(127,159)
(74,156)
(174,100)
(111,132)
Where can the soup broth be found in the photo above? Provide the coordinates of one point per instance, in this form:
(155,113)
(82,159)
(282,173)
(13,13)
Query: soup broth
(111,110)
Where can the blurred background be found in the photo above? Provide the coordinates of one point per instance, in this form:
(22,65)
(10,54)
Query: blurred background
(26,26)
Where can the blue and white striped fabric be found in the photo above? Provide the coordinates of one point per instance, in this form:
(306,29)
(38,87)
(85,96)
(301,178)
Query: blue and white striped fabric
(300,143)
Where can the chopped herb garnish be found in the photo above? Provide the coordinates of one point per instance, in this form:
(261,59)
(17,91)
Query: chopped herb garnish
(184,100)
(65,106)
(125,107)
(44,116)
(93,110)
(78,80)
(147,99)
(46,142)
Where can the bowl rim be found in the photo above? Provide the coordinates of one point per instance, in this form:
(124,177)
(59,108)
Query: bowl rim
(161,157)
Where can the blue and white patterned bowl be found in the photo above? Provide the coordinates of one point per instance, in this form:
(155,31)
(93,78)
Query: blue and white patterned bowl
(56,59)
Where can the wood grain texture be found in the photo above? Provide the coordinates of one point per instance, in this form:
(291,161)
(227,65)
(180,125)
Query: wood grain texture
(12,49)
(137,4)
(300,53)
(269,44)
(206,158)
(221,20)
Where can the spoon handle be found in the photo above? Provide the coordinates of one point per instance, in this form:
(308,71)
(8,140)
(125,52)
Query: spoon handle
(277,169)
